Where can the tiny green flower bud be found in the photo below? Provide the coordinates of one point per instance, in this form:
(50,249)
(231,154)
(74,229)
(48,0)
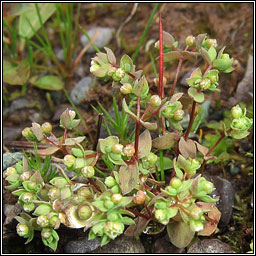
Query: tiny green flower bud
(167,112)
(94,67)
(117,148)
(160,215)
(25,176)
(84,212)
(129,150)
(109,204)
(190,40)
(211,43)
(28,134)
(225,56)
(208,187)
(205,84)
(113,229)
(110,181)
(151,158)
(120,73)
(53,221)
(88,172)
(115,189)
(239,123)
(111,71)
(178,115)
(19,168)
(46,128)
(175,182)
(27,197)
(22,229)
(54,193)
(59,182)
(32,185)
(69,160)
(10,171)
(196,213)
(155,101)
(139,198)
(42,221)
(236,111)
(46,233)
(84,192)
(116,198)
(28,207)
(126,88)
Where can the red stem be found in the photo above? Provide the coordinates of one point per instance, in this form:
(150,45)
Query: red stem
(161,65)
(64,136)
(181,58)
(138,214)
(137,133)
(52,142)
(192,114)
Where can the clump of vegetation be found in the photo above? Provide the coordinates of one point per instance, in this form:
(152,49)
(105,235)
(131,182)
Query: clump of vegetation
(134,191)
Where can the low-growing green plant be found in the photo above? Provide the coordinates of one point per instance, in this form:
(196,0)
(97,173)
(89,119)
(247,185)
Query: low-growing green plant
(134,192)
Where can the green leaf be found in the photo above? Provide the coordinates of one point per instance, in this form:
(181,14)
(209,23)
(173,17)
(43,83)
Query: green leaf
(238,134)
(91,235)
(52,83)
(110,55)
(126,63)
(140,87)
(43,209)
(223,64)
(199,39)
(46,10)
(194,94)
(103,70)
(127,221)
(206,198)
(100,205)
(73,141)
(145,144)
(185,185)
(180,234)
(173,55)
(47,151)
(128,111)
(206,56)
(166,141)
(16,75)
(148,125)
(178,171)
(212,53)
(168,164)
(128,178)
(109,142)
(172,212)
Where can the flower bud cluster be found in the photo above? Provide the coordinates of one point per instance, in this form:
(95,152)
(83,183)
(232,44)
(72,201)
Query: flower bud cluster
(112,183)
(173,111)
(240,122)
(67,119)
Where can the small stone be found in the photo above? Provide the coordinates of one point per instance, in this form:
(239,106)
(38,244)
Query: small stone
(161,245)
(103,38)
(9,159)
(210,246)
(80,71)
(11,133)
(121,244)
(60,54)
(19,104)
(11,211)
(79,92)
(82,245)
(226,193)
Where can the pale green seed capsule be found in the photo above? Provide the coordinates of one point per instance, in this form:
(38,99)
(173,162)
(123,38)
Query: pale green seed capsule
(42,221)
(205,84)
(117,148)
(84,212)
(22,229)
(27,197)
(155,101)
(116,198)
(25,176)
(110,181)
(126,88)
(160,215)
(129,150)
(10,171)
(53,221)
(54,193)
(46,128)
(236,111)
(120,73)
(88,171)
(139,198)
(178,115)
(196,213)
(175,182)
(46,233)
(94,67)
(28,207)
(84,192)
(190,40)
(69,160)
(211,43)
(109,204)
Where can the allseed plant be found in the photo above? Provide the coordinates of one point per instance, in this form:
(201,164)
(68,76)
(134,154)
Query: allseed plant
(134,192)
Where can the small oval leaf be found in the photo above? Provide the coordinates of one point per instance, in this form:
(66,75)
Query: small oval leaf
(52,83)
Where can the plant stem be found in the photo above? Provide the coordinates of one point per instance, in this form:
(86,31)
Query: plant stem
(212,148)
(181,58)
(161,159)
(192,114)
(137,133)
(161,72)
(138,214)
(64,136)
